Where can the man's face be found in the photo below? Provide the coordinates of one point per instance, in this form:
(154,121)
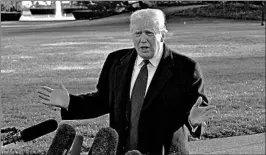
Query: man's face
(146,38)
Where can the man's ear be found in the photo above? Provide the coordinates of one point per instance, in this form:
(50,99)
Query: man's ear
(163,36)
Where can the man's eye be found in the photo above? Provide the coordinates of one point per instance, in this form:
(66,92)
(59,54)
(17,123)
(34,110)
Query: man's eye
(138,33)
(150,33)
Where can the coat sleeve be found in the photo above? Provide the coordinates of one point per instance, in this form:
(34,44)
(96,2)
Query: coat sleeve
(194,91)
(91,105)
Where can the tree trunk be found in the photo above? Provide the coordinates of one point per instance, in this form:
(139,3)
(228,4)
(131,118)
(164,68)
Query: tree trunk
(262,13)
(246,5)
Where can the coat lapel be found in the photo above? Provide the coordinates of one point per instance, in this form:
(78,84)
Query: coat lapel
(161,76)
(123,73)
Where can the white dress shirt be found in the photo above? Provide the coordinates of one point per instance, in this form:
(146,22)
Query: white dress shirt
(152,66)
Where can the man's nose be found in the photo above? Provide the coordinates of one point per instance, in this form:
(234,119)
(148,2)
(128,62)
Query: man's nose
(143,38)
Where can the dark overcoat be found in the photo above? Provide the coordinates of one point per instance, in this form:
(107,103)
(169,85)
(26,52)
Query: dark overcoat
(174,89)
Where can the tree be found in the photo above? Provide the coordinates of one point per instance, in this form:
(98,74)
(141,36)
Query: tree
(8,6)
(262,13)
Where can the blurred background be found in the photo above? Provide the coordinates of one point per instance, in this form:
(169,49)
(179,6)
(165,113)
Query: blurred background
(251,10)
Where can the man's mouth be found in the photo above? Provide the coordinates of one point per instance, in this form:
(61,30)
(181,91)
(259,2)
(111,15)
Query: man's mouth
(144,47)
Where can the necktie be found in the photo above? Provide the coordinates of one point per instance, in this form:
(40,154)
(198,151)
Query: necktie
(137,98)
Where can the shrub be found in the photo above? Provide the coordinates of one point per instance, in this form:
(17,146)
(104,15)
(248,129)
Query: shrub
(227,10)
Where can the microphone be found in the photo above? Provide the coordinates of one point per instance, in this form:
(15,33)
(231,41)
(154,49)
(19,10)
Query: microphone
(133,152)
(105,142)
(15,135)
(76,146)
(62,141)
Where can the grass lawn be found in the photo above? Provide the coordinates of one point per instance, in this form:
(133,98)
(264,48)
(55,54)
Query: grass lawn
(231,54)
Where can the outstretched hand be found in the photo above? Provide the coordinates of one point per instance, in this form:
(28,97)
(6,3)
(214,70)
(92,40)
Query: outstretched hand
(199,115)
(54,97)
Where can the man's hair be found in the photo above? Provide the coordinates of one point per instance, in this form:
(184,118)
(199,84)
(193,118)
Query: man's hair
(156,15)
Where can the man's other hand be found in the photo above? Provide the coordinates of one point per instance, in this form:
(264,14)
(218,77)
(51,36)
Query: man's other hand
(199,115)
(54,97)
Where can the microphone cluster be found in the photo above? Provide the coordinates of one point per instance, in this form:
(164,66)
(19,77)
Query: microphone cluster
(65,141)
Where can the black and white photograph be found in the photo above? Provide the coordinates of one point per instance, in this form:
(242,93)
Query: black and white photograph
(132,77)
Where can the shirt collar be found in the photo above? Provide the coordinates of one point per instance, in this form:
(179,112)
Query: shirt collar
(154,61)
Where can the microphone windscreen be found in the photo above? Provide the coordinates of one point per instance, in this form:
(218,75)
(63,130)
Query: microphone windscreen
(38,130)
(133,152)
(76,146)
(105,142)
(63,140)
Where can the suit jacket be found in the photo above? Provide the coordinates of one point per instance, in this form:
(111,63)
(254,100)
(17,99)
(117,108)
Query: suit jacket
(174,89)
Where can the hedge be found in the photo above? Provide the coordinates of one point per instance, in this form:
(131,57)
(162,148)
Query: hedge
(10,16)
(228,10)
